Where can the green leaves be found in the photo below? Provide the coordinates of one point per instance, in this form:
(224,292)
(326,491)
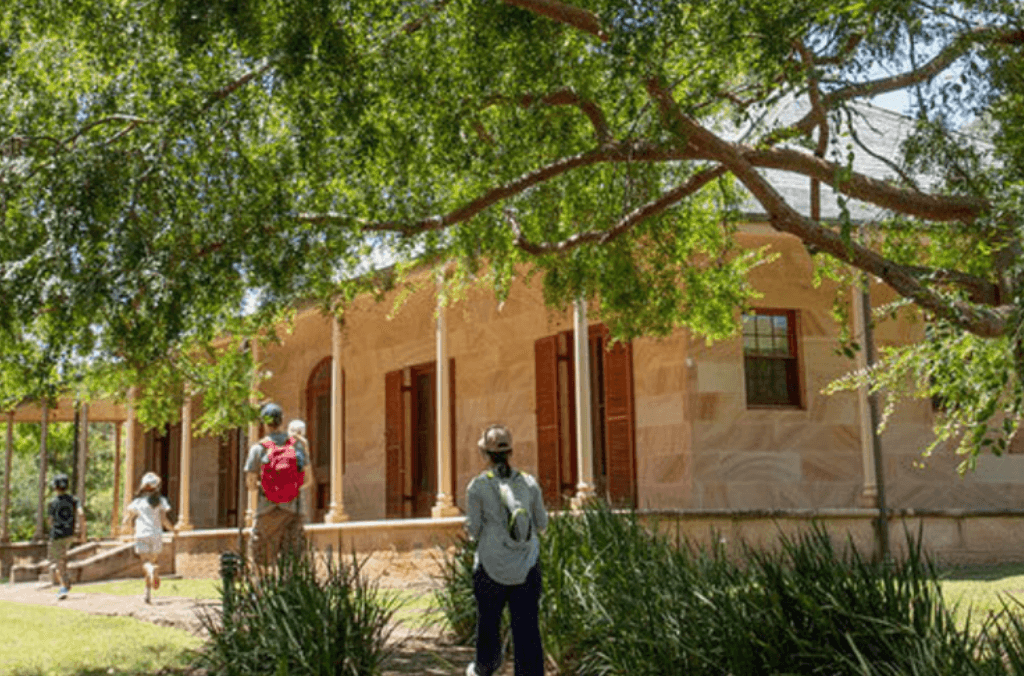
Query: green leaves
(173,172)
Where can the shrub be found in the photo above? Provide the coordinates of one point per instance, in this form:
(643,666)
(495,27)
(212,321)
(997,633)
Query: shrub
(454,597)
(620,598)
(290,619)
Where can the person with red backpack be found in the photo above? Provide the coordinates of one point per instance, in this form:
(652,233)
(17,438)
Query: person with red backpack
(276,467)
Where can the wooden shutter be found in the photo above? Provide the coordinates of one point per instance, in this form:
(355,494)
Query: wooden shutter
(548,433)
(619,424)
(394,433)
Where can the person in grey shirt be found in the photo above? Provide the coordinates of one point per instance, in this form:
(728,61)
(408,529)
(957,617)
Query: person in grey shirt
(275,525)
(505,514)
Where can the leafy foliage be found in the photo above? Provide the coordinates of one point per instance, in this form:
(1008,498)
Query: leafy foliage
(173,172)
(60,444)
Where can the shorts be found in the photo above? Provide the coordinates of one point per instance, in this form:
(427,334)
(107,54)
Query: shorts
(59,549)
(274,531)
(149,544)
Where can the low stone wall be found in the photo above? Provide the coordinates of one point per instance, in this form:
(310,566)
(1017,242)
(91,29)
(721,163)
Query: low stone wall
(197,553)
(12,552)
(950,536)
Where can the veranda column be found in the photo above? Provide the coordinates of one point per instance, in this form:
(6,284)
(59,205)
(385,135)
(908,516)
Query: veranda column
(44,428)
(185,494)
(254,436)
(584,433)
(869,493)
(129,457)
(115,512)
(336,513)
(83,451)
(5,518)
(445,505)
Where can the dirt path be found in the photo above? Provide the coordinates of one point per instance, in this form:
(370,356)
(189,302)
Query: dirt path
(167,611)
(416,650)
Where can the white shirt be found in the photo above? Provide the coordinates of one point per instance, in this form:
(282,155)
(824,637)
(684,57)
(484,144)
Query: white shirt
(149,519)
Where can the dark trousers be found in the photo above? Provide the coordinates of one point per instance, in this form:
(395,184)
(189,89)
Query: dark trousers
(523,601)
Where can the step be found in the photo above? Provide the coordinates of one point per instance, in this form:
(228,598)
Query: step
(94,563)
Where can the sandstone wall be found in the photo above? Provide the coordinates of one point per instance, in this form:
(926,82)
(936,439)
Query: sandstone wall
(698,444)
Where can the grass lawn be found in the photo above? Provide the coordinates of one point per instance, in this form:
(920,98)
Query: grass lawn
(981,589)
(186,588)
(40,641)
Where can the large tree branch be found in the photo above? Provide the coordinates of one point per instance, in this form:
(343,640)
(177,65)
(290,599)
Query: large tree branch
(874,191)
(941,61)
(939,208)
(624,225)
(981,321)
(562,12)
(979,290)
(622,152)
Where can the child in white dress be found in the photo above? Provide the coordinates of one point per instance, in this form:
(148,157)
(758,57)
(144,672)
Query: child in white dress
(148,511)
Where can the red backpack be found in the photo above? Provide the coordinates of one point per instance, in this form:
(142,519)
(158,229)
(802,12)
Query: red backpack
(280,477)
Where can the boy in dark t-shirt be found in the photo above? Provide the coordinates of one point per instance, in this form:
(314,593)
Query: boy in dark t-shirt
(66,517)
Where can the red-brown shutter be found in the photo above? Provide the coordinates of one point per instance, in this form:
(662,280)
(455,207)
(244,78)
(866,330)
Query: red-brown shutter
(619,423)
(394,433)
(452,434)
(546,360)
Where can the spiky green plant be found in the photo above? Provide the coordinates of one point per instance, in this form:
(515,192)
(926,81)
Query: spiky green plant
(291,618)
(622,598)
(454,595)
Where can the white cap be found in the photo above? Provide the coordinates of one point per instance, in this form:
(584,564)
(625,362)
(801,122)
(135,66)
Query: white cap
(149,480)
(297,427)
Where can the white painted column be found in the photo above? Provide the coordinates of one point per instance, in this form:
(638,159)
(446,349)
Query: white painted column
(44,429)
(253,437)
(129,457)
(185,490)
(83,450)
(336,513)
(5,518)
(445,505)
(584,433)
(869,493)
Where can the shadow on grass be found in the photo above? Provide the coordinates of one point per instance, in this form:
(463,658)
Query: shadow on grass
(980,573)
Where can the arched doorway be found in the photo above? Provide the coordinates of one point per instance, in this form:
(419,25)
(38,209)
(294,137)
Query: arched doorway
(318,428)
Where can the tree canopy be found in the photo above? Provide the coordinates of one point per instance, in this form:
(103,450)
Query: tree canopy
(174,171)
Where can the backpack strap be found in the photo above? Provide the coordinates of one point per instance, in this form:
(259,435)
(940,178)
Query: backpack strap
(511,515)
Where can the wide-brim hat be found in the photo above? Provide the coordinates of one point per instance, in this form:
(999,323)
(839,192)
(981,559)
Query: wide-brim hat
(495,439)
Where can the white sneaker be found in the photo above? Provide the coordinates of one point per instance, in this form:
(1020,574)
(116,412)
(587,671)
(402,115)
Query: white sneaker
(471,669)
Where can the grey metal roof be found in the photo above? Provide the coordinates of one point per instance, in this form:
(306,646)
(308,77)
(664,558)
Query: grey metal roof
(880,130)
